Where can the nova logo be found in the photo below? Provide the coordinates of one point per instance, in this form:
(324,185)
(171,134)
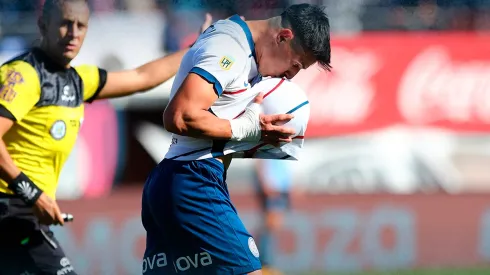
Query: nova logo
(181,264)
(188,262)
(158,260)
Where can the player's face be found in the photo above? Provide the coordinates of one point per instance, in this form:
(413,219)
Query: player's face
(281,58)
(65,29)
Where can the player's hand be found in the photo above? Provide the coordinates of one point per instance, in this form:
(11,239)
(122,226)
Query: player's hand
(207,22)
(271,126)
(272,131)
(47,211)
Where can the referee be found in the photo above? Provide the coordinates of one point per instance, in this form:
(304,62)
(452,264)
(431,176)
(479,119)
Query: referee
(41,110)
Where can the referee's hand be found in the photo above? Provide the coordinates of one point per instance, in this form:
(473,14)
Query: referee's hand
(47,211)
(207,22)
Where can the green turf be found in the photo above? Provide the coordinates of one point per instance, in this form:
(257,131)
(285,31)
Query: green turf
(470,271)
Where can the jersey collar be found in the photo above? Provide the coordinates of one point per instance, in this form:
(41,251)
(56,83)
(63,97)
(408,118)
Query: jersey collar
(48,62)
(236,18)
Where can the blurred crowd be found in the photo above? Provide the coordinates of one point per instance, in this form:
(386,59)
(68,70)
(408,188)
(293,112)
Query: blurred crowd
(461,15)
(18,17)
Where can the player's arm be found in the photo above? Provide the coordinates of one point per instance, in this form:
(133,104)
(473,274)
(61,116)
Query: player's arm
(187,113)
(214,68)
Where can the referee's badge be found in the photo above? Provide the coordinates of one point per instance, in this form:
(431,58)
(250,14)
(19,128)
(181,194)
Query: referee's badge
(253,247)
(226,62)
(58,130)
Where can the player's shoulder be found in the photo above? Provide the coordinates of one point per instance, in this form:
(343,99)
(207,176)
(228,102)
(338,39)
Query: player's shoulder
(224,35)
(220,50)
(233,26)
(218,43)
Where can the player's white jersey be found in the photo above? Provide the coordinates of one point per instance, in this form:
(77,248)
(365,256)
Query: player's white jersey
(225,56)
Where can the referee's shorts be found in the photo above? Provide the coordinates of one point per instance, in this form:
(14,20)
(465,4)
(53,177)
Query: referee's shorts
(27,247)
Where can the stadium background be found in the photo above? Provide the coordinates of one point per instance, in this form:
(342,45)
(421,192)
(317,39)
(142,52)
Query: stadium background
(395,174)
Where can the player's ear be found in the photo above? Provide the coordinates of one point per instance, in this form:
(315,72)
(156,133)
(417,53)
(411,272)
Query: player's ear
(285,35)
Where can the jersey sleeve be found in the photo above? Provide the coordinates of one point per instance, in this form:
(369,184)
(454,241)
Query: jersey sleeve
(220,60)
(94,80)
(20,89)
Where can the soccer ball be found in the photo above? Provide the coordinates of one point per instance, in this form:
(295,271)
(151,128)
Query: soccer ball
(281,96)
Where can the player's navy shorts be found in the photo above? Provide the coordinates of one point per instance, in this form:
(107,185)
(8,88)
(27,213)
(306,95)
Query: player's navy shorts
(192,226)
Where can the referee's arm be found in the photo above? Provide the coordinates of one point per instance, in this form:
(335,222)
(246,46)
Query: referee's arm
(100,84)
(143,78)
(19,92)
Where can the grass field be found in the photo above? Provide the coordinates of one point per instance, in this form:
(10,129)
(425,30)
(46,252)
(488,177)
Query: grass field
(471,271)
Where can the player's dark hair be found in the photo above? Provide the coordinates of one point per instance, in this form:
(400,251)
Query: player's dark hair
(50,5)
(311,27)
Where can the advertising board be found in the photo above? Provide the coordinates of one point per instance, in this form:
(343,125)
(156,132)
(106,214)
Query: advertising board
(327,233)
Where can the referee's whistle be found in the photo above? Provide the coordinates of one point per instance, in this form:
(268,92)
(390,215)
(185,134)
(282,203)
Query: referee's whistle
(67,217)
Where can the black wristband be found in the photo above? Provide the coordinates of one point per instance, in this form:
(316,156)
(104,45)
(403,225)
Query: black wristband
(27,190)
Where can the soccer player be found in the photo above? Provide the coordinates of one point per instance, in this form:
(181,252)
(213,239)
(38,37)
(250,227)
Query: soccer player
(41,111)
(192,226)
(273,184)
